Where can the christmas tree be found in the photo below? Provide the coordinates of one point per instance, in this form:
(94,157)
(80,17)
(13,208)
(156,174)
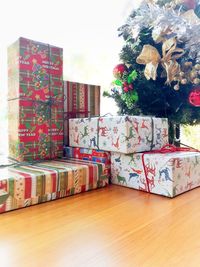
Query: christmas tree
(159,73)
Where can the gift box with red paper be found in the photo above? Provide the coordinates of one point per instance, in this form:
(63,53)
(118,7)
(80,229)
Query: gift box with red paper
(35,100)
(81,100)
(168,172)
(89,154)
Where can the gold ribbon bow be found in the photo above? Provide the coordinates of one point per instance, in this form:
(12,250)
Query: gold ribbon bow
(151,58)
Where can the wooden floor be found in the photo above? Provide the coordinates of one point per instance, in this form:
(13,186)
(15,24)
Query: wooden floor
(108,227)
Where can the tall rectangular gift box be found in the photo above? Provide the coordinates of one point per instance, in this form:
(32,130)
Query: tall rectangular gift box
(81,100)
(168,174)
(35,100)
(124,134)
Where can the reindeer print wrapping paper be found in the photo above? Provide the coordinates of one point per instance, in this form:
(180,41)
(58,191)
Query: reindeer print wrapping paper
(124,134)
(83,133)
(27,185)
(166,174)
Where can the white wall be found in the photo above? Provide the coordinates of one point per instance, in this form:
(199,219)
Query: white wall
(87,30)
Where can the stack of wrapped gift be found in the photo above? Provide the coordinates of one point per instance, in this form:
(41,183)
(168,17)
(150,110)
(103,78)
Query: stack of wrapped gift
(138,159)
(90,155)
(25,185)
(81,100)
(36,113)
(35,106)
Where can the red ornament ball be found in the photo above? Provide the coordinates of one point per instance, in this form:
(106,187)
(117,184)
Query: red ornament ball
(119,71)
(194,97)
(190,4)
(126,89)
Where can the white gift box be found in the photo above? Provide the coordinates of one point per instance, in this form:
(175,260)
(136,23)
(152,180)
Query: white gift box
(124,134)
(168,174)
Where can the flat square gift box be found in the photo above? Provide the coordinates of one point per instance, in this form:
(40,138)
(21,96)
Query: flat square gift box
(81,100)
(27,185)
(124,134)
(35,106)
(89,154)
(167,174)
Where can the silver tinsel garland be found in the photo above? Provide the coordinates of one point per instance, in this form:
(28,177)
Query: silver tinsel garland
(166,22)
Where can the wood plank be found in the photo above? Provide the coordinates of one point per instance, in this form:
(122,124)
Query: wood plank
(114,226)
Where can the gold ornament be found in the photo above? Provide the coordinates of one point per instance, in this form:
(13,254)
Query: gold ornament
(188,64)
(197,66)
(184,81)
(182,74)
(176,79)
(193,74)
(176,87)
(196,81)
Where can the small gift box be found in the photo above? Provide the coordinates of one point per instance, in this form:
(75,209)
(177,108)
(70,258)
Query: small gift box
(89,154)
(124,134)
(81,100)
(169,171)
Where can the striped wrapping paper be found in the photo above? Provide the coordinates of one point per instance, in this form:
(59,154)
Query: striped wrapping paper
(26,185)
(81,100)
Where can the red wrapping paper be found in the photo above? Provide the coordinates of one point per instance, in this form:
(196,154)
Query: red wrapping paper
(35,100)
(90,155)
(81,100)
